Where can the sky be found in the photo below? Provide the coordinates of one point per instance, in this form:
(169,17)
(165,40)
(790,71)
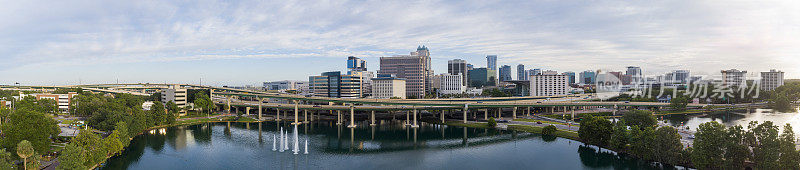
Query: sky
(248,42)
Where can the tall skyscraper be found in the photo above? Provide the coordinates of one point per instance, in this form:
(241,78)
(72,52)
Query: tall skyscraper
(458,66)
(491,62)
(505,73)
(587,77)
(415,68)
(334,84)
(771,80)
(548,83)
(535,71)
(570,77)
(635,73)
(521,72)
(356,64)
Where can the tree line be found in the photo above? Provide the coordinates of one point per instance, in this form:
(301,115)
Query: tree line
(714,147)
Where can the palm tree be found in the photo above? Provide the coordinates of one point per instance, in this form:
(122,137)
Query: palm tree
(25,150)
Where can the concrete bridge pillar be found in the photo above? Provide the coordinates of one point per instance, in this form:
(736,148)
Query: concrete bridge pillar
(441,115)
(305,116)
(486,114)
(352,117)
(465,113)
(408,120)
(229,104)
(278,114)
(514,113)
(247,111)
(260,102)
(338,117)
(312,115)
(573,114)
(415,119)
(499,113)
(528,114)
(296,112)
(372,118)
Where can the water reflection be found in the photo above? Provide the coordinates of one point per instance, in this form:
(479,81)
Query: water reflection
(733,118)
(389,144)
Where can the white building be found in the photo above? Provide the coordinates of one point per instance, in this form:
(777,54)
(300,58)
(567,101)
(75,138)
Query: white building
(175,94)
(300,86)
(388,86)
(733,77)
(549,84)
(449,84)
(62,100)
(771,80)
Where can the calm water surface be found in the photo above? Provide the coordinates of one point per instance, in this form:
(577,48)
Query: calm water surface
(386,146)
(733,118)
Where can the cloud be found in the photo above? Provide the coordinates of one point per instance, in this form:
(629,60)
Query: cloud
(564,35)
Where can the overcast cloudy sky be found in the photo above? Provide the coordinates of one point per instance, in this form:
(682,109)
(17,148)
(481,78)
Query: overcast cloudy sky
(246,42)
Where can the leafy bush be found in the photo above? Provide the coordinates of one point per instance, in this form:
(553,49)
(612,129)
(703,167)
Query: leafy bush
(549,130)
(491,123)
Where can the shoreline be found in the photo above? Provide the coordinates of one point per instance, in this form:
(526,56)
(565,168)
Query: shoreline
(185,123)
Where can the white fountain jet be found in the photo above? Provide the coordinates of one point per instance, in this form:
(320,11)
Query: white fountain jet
(296,143)
(274,140)
(286,140)
(281,138)
(306,152)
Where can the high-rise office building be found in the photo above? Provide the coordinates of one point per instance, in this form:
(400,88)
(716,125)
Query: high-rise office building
(448,84)
(356,64)
(635,73)
(535,71)
(388,86)
(470,67)
(587,77)
(505,73)
(175,94)
(334,84)
(570,77)
(521,74)
(415,68)
(491,62)
(458,67)
(771,80)
(481,77)
(733,77)
(548,83)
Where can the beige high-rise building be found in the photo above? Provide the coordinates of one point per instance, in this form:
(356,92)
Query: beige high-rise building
(771,80)
(733,77)
(415,68)
(388,86)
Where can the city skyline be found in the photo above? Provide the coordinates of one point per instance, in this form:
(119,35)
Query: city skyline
(166,42)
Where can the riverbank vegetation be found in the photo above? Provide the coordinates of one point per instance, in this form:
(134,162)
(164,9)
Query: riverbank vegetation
(714,147)
(29,130)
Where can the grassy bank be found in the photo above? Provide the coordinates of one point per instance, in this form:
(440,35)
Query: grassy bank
(543,121)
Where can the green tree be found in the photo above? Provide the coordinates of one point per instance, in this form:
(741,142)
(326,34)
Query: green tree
(549,130)
(790,158)
(491,123)
(35,127)
(679,102)
(124,135)
(595,131)
(736,149)
(620,137)
(642,142)
(25,150)
(764,141)
(113,143)
(6,161)
(640,118)
(667,146)
(157,115)
(73,157)
(708,145)
(93,145)
(138,123)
